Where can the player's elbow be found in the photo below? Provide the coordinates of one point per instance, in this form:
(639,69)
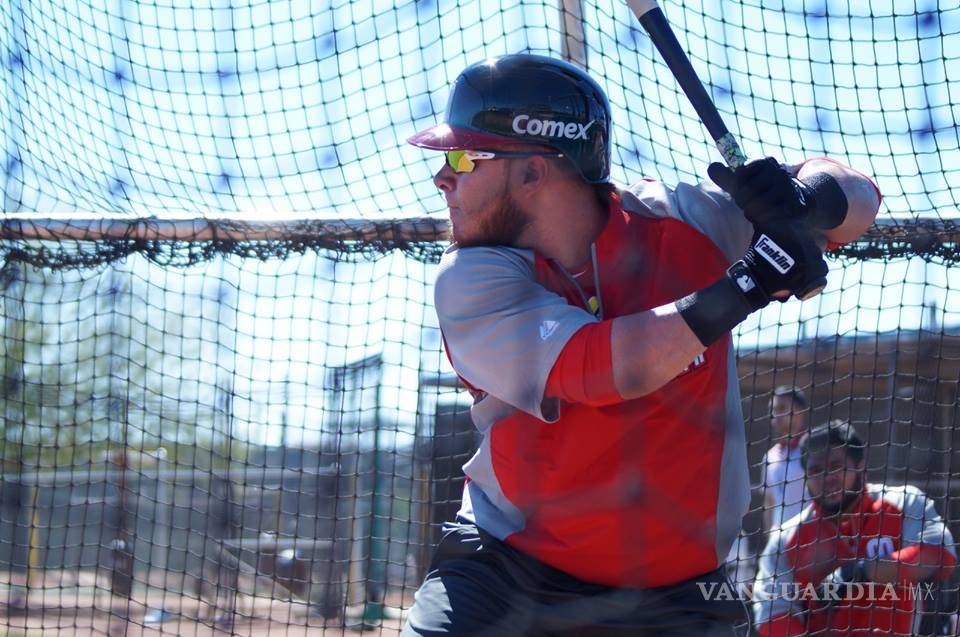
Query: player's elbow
(863,199)
(631,384)
(863,203)
(634,379)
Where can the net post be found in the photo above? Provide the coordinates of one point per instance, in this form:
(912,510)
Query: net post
(574,47)
(34,568)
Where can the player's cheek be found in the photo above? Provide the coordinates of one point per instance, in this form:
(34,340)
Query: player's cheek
(815,486)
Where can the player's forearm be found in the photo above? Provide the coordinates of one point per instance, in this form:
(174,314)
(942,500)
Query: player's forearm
(884,571)
(650,349)
(863,199)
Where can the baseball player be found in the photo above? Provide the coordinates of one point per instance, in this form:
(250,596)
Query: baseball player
(592,325)
(847,565)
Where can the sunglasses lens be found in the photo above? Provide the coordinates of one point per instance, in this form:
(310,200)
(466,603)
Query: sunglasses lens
(458,160)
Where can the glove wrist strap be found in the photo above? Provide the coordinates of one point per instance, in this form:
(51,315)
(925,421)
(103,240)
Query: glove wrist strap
(715,310)
(746,283)
(827,203)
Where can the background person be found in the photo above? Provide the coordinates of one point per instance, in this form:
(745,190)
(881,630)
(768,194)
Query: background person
(852,533)
(781,474)
(781,478)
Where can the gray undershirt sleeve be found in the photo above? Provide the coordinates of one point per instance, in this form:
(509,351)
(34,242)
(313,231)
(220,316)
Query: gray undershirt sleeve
(503,330)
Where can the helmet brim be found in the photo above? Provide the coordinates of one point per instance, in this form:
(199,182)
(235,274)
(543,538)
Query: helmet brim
(446,137)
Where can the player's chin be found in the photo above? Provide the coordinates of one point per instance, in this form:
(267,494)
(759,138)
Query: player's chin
(456,225)
(463,238)
(831,501)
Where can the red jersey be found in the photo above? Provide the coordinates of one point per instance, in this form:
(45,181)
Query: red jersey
(644,492)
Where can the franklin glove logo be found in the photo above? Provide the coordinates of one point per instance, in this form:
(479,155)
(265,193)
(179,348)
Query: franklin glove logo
(525,125)
(773,253)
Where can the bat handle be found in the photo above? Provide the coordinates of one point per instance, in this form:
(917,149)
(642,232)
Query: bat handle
(652,19)
(730,151)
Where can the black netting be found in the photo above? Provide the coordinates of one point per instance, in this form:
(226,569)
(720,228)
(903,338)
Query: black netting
(224,401)
(145,108)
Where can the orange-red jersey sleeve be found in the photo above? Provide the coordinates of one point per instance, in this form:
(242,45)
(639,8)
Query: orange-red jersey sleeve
(583,372)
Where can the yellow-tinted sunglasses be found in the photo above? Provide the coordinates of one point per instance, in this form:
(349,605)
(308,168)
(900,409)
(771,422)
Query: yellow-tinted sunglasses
(464,161)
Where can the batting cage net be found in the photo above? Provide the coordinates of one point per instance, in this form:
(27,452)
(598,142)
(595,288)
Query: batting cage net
(224,401)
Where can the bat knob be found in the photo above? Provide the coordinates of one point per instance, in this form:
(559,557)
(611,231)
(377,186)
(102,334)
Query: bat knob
(814,288)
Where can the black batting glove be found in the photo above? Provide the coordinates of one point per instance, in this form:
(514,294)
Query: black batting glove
(781,258)
(765,191)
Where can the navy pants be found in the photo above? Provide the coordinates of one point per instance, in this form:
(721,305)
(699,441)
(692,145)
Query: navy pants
(478,586)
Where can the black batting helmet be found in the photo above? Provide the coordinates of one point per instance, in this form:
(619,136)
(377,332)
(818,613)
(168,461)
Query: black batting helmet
(524,99)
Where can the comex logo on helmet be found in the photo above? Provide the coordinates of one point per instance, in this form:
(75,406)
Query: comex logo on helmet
(526,125)
(523,99)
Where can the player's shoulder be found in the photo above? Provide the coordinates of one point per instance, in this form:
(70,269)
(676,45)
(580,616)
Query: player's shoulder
(901,496)
(648,199)
(474,279)
(700,206)
(658,199)
(780,537)
(776,453)
(804,522)
(459,262)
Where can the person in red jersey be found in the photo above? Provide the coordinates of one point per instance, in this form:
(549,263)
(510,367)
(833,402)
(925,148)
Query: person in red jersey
(592,325)
(860,559)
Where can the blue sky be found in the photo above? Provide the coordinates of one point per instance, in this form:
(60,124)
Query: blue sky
(184,107)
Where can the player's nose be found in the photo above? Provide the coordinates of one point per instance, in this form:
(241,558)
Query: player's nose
(445,179)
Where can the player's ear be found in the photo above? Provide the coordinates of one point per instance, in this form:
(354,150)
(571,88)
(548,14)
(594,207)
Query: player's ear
(534,171)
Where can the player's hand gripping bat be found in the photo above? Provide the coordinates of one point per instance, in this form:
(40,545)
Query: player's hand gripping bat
(653,20)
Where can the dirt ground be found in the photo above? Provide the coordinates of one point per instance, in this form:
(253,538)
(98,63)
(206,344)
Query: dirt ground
(78,608)
(68,624)
(135,620)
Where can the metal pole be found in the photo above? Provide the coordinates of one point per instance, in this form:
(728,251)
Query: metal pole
(33,561)
(574,41)
(424,475)
(13,162)
(377,541)
(162,533)
(15,341)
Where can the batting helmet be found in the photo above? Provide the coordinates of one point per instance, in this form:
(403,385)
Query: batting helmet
(527,99)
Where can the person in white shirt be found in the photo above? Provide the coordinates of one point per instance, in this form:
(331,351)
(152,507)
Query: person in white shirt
(781,477)
(781,474)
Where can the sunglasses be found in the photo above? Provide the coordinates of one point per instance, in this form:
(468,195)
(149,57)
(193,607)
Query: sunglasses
(464,161)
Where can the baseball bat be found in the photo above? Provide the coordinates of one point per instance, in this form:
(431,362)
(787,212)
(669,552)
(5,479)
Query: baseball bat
(655,23)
